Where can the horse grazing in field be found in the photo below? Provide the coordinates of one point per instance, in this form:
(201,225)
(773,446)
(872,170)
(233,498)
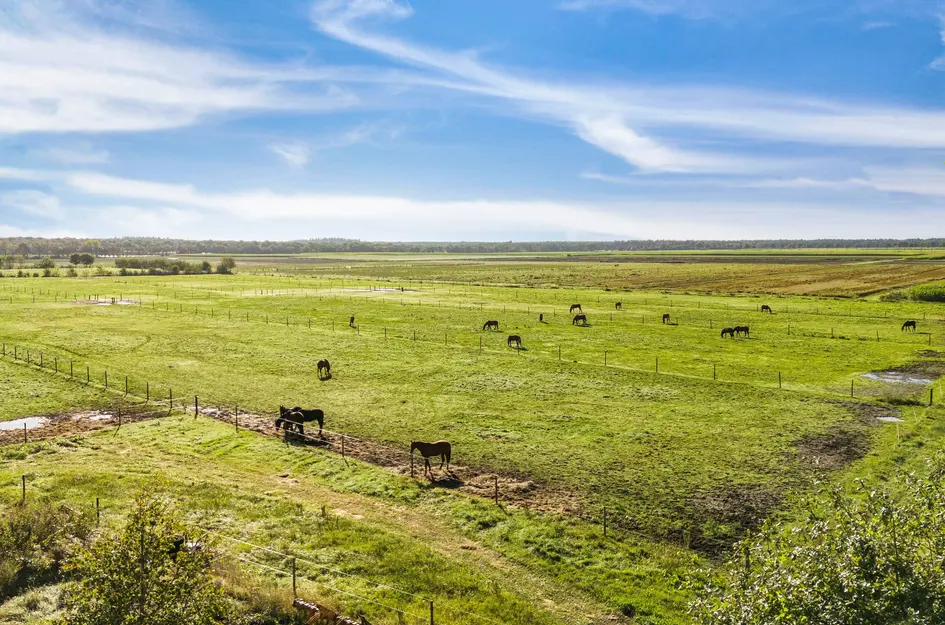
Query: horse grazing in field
(516,340)
(765,308)
(665,317)
(910,325)
(490,325)
(741,330)
(351,322)
(728,331)
(582,319)
(314,414)
(440,448)
(575,307)
(541,318)
(324,369)
(618,305)
(290,420)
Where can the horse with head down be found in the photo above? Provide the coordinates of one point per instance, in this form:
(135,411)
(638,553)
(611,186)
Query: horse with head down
(728,332)
(575,307)
(290,420)
(308,415)
(491,325)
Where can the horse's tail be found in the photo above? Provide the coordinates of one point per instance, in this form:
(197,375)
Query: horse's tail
(448,453)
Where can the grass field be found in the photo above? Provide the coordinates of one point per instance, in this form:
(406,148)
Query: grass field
(690,450)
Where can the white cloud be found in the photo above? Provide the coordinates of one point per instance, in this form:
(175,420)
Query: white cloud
(59,73)
(693,9)
(628,121)
(73,155)
(295,153)
(916,180)
(32,202)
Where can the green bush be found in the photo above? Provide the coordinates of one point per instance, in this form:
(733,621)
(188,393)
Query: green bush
(35,541)
(874,558)
(155,571)
(929,293)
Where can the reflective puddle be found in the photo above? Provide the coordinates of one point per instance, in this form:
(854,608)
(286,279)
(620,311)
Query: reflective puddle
(31,423)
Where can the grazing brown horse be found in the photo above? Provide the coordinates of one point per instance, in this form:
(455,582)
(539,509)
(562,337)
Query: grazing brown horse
(324,369)
(582,319)
(516,339)
(665,317)
(314,414)
(728,331)
(440,448)
(741,330)
(765,308)
(910,325)
(618,305)
(490,325)
(575,307)
(541,318)
(290,420)
(351,322)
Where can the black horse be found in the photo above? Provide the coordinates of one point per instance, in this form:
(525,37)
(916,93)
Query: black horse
(324,369)
(314,414)
(575,307)
(765,308)
(289,420)
(728,331)
(665,317)
(351,322)
(910,325)
(582,319)
(541,318)
(618,305)
(516,340)
(741,330)
(490,325)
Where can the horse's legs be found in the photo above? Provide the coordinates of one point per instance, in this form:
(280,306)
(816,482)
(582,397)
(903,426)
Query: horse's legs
(442,460)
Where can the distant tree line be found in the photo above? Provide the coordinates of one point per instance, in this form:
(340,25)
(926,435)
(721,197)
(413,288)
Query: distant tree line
(64,247)
(161,266)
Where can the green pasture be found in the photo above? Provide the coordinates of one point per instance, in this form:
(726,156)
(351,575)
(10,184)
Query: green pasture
(383,543)
(697,450)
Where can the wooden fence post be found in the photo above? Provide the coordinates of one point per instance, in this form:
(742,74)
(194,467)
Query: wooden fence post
(23,480)
(431,613)
(196,406)
(496,483)
(714,371)
(170,401)
(657,364)
(106,380)
(851,388)
(294,587)
(779,379)
(98,512)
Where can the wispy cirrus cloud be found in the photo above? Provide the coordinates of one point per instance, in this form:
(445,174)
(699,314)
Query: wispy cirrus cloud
(32,202)
(642,125)
(294,153)
(72,155)
(692,9)
(61,72)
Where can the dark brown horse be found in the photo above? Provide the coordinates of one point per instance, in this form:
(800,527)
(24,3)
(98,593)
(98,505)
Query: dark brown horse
(728,331)
(290,420)
(351,322)
(314,414)
(516,340)
(324,369)
(741,330)
(910,325)
(490,325)
(440,448)
(575,307)
(582,319)
(765,308)
(618,305)
(665,317)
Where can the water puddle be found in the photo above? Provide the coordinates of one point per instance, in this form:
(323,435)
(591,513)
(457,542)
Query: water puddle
(890,419)
(31,423)
(897,377)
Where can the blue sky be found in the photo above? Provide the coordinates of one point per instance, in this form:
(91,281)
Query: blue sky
(475,120)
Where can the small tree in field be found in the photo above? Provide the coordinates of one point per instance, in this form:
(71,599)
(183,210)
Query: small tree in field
(226,265)
(75,259)
(875,558)
(146,574)
(86,259)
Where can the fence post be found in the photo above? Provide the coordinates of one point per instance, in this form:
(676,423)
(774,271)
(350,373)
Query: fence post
(851,388)
(88,375)
(196,406)
(23,480)
(714,371)
(431,613)
(57,364)
(294,591)
(126,385)
(605,521)
(931,395)
(343,448)
(147,391)
(25,439)
(605,357)
(170,401)
(779,379)
(496,484)
(98,512)
(657,364)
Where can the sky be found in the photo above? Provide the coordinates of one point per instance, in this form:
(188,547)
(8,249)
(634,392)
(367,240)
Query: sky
(441,120)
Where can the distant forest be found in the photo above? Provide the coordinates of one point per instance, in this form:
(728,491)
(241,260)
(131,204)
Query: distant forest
(149,246)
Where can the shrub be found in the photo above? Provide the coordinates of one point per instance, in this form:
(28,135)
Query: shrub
(929,293)
(226,265)
(35,541)
(146,574)
(874,558)
(71,272)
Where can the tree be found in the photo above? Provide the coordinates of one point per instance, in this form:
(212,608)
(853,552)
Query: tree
(46,263)
(156,571)
(875,558)
(226,265)
(86,259)
(75,259)
(206,267)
